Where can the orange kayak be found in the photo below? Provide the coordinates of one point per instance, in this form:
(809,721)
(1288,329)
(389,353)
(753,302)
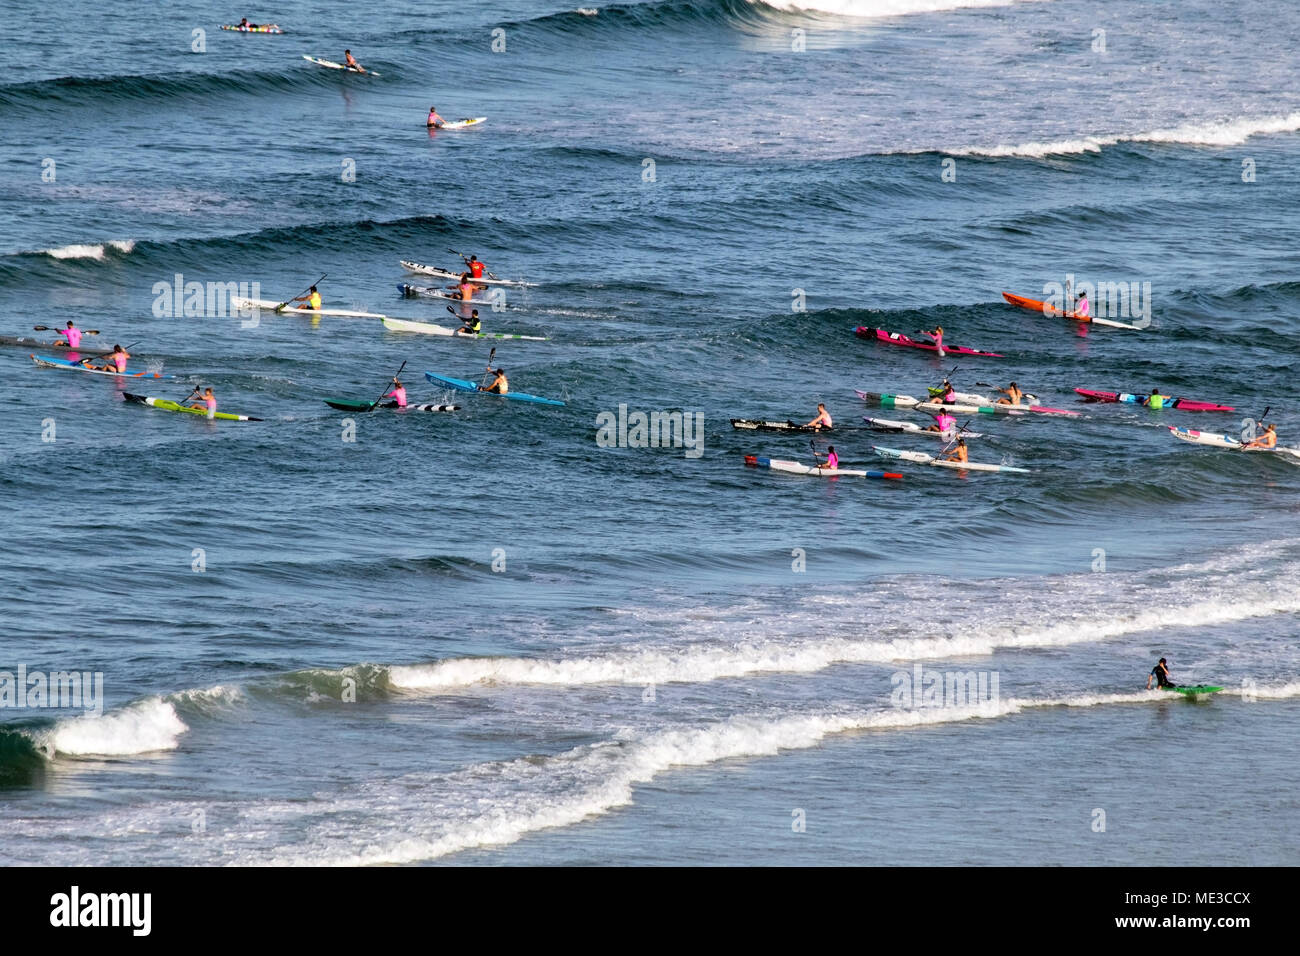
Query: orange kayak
(1034,305)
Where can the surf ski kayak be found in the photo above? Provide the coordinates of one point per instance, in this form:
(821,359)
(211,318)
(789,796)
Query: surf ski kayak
(794,468)
(428,328)
(46,361)
(462,385)
(422,269)
(1033,305)
(898,338)
(433,292)
(267,306)
(167,405)
(1195,690)
(970,398)
(921,458)
(911,428)
(237,28)
(459,124)
(786,426)
(350,405)
(885,400)
(29,341)
(1225,441)
(330,64)
(1185,404)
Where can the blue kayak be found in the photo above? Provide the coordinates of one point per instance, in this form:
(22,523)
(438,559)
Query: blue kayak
(461,385)
(49,361)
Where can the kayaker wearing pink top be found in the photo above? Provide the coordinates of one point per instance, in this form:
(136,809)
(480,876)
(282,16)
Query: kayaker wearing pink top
(823,419)
(117,358)
(943,423)
(207,402)
(434,119)
(72,334)
(947,394)
(832,459)
(1081,307)
(398,394)
(936,336)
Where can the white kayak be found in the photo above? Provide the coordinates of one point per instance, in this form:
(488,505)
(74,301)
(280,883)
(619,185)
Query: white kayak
(887,425)
(921,458)
(266,305)
(970,398)
(1225,441)
(428,328)
(460,123)
(330,64)
(422,269)
(795,468)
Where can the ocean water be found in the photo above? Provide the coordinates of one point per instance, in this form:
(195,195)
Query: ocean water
(485,637)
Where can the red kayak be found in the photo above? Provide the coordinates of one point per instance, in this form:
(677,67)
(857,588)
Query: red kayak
(898,338)
(1186,404)
(1033,305)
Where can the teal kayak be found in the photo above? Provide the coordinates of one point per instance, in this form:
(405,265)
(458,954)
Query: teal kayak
(462,385)
(47,361)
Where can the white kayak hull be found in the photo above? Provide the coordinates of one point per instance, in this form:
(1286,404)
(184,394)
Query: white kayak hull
(421,269)
(921,458)
(269,307)
(911,428)
(1225,441)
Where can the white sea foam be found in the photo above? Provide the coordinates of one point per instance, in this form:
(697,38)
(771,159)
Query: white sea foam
(697,663)
(1215,133)
(98,251)
(141,727)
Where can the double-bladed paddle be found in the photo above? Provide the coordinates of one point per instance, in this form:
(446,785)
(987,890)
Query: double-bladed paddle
(491,355)
(46,328)
(375,403)
(281,307)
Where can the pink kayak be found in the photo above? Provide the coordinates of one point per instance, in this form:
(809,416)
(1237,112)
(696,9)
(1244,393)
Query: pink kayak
(1185,404)
(898,338)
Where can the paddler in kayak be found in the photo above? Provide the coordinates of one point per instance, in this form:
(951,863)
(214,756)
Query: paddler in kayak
(1160,674)
(473,325)
(499,385)
(943,423)
(434,121)
(466,288)
(72,334)
(475,267)
(398,394)
(1081,306)
(1155,401)
(1266,440)
(823,419)
(832,459)
(1013,395)
(945,393)
(207,401)
(959,453)
(937,337)
(351,61)
(116,361)
(310,301)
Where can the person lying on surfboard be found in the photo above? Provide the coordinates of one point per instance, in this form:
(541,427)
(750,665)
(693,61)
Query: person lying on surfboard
(351,62)
(434,119)
(116,361)
(499,384)
(1013,393)
(473,325)
(311,300)
(1160,674)
(1267,440)
(823,419)
(959,453)
(943,422)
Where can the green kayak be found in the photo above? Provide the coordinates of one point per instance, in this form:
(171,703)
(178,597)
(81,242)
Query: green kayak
(1195,690)
(167,405)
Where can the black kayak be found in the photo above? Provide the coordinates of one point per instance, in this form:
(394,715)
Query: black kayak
(348,405)
(787,426)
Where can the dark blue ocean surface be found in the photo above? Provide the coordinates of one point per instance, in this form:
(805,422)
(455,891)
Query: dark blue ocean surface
(487,636)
